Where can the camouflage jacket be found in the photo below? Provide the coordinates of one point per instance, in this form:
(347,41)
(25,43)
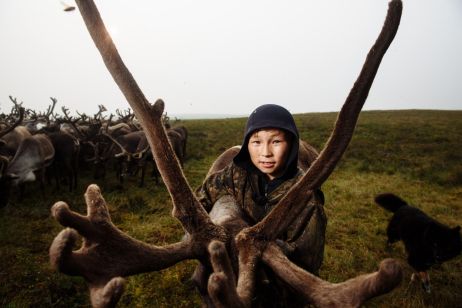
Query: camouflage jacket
(304,241)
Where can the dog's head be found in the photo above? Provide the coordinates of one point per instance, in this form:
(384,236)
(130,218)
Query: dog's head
(446,242)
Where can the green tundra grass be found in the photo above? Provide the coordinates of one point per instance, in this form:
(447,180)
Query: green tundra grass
(415,154)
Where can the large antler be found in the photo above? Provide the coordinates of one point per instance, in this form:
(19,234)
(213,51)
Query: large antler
(275,223)
(290,206)
(186,207)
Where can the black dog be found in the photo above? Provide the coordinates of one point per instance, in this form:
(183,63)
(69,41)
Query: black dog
(426,240)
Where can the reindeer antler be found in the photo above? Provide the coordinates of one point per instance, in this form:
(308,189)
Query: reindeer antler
(51,108)
(290,206)
(351,293)
(17,105)
(274,224)
(83,116)
(72,122)
(123,152)
(186,207)
(102,265)
(98,115)
(107,254)
(11,127)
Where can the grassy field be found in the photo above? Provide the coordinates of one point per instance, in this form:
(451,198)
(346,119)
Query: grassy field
(415,154)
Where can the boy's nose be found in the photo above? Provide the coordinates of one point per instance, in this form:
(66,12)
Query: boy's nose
(266,150)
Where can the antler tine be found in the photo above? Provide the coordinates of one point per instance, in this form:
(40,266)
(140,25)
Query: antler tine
(124,151)
(83,116)
(129,115)
(321,293)
(98,115)
(108,123)
(119,113)
(51,107)
(289,207)
(31,113)
(16,108)
(222,285)
(66,113)
(15,102)
(185,203)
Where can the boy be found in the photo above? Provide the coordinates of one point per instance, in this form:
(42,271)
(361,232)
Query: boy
(259,176)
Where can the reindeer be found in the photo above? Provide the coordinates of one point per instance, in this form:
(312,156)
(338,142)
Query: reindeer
(107,254)
(135,153)
(38,122)
(67,148)
(123,151)
(183,131)
(66,160)
(34,155)
(12,135)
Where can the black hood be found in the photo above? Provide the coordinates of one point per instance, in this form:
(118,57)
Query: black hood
(270,116)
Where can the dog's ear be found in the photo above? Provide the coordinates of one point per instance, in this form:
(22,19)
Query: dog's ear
(456,229)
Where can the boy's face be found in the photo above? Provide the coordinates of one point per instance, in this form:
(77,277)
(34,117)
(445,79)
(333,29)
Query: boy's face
(268,149)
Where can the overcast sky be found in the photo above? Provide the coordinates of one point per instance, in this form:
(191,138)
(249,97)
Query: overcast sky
(228,57)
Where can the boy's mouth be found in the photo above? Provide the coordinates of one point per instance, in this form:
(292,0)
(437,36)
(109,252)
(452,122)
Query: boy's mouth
(267,164)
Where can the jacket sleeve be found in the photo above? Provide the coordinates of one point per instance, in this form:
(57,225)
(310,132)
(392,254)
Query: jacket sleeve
(215,186)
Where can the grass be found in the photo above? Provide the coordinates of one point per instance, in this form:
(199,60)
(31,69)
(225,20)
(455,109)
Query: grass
(415,154)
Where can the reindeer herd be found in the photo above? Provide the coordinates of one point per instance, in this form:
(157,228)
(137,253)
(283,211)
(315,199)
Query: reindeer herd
(44,146)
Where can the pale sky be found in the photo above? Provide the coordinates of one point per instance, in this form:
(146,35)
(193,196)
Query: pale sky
(228,57)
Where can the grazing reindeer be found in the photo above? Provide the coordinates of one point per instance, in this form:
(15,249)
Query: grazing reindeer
(107,254)
(184,138)
(34,155)
(66,160)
